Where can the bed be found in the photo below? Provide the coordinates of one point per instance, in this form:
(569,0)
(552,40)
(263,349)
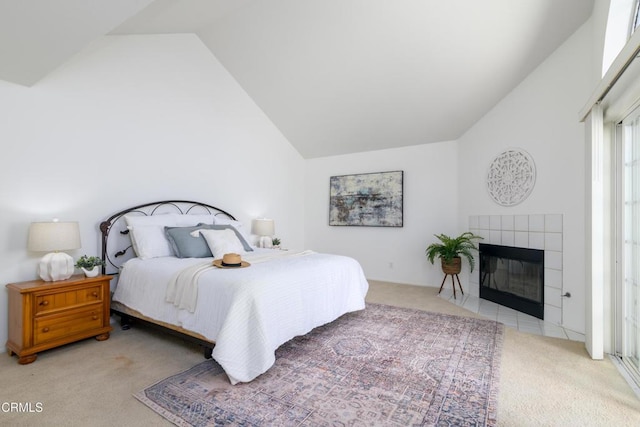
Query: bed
(241,315)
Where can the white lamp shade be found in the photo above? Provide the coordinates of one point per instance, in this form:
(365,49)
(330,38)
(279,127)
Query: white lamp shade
(54,237)
(263,227)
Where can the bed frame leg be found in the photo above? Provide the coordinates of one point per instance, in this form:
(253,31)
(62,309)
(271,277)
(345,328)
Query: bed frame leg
(125,322)
(207,352)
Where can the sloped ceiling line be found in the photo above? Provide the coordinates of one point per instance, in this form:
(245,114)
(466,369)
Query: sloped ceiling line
(335,76)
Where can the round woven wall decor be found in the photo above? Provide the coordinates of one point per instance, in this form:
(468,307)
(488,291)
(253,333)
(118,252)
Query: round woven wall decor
(511,177)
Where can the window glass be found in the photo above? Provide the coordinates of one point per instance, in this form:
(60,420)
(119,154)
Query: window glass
(622,20)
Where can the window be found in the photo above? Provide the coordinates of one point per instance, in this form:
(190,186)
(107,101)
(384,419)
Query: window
(628,312)
(622,21)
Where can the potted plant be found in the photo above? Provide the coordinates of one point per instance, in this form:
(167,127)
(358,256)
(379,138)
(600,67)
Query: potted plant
(275,242)
(90,265)
(450,250)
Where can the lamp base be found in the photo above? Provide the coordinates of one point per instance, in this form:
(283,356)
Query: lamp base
(265,242)
(56,266)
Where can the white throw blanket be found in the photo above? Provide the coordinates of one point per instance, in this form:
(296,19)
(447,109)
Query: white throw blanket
(182,290)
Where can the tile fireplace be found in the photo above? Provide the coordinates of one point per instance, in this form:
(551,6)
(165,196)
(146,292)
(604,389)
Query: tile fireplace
(543,232)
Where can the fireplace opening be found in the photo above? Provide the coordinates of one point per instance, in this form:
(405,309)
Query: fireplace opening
(513,277)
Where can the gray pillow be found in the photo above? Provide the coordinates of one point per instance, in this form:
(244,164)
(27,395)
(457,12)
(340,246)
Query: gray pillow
(184,245)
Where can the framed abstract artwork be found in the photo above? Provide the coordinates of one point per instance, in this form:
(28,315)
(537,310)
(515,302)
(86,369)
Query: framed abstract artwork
(369,199)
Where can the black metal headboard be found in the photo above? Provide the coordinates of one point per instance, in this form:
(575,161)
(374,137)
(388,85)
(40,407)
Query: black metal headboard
(116,248)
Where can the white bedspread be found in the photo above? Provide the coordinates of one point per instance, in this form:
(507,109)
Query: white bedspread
(182,290)
(248,312)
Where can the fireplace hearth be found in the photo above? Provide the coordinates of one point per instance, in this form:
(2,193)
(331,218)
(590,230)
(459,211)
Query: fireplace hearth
(513,277)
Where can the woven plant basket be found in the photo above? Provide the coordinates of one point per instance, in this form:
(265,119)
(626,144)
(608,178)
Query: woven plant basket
(454,267)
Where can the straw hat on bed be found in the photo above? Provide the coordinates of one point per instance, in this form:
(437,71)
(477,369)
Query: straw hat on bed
(230,261)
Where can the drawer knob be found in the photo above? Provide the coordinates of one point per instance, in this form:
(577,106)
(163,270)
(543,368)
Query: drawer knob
(45,302)
(45,329)
(95,317)
(95,294)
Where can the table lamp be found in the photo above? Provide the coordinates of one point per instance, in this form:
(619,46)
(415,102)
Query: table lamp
(265,228)
(54,237)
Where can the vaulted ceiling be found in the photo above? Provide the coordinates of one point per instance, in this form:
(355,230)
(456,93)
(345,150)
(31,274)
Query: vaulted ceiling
(335,76)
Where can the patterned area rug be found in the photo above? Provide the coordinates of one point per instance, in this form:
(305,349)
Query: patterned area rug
(380,366)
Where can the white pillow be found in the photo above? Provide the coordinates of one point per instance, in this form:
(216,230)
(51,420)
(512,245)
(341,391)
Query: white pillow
(238,226)
(149,241)
(222,242)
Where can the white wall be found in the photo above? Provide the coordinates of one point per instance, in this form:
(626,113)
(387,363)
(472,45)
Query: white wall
(541,117)
(430,206)
(135,119)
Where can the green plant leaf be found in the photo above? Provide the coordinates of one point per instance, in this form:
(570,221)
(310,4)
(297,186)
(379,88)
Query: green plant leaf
(89,262)
(450,248)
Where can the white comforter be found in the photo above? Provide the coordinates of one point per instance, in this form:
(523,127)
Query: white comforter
(248,312)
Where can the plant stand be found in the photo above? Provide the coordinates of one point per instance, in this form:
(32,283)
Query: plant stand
(452,269)
(453,284)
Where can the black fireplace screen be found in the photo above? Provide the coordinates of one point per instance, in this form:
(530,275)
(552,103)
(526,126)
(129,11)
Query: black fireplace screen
(513,277)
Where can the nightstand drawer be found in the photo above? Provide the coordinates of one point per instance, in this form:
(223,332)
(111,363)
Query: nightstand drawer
(54,301)
(49,328)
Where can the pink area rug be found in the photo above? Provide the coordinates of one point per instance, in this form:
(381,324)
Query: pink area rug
(380,366)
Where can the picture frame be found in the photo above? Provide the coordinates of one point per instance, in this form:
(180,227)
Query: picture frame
(367,199)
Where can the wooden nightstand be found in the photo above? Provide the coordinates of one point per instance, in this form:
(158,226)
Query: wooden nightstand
(44,315)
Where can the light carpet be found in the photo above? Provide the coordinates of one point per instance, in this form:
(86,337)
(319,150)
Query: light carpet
(380,366)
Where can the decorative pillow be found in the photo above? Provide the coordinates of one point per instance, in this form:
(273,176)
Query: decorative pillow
(238,226)
(186,245)
(149,241)
(222,241)
(245,245)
